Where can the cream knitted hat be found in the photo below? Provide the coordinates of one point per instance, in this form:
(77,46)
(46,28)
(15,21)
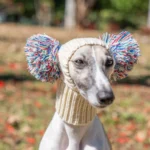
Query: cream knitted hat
(43,63)
(68,49)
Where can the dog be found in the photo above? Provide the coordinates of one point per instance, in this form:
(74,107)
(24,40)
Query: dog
(83,67)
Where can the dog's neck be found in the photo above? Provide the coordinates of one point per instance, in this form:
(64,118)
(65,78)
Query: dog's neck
(72,107)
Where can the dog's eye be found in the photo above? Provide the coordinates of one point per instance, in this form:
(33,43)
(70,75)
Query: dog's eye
(79,62)
(109,62)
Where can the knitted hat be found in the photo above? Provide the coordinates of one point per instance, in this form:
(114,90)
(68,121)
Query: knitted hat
(45,55)
(67,51)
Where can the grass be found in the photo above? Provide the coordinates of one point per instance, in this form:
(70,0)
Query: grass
(27,105)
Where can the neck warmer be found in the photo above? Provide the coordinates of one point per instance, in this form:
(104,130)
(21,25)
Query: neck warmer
(72,107)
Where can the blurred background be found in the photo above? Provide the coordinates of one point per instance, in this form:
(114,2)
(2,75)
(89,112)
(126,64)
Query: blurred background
(27,105)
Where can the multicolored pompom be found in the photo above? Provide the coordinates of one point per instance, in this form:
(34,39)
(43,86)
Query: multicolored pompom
(125,51)
(41,51)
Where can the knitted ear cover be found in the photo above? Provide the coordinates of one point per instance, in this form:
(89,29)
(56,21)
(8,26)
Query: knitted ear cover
(41,52)
(125,50)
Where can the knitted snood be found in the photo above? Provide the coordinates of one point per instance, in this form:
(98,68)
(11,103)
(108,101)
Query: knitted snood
(72,107)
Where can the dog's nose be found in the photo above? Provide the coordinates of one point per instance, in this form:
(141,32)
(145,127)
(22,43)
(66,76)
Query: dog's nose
(105,98)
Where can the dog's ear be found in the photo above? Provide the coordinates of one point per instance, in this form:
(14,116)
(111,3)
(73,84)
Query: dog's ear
(41,52)
(125,51)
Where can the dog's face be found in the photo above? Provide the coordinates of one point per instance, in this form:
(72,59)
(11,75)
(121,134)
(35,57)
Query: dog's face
(90,68)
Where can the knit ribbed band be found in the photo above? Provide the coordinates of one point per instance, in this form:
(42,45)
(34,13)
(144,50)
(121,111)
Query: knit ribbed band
(72,107)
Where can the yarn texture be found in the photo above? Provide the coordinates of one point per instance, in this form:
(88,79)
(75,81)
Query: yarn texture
(41,52)
(125,51)
(72,107)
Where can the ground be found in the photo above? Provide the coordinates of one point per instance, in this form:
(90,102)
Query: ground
(27,105)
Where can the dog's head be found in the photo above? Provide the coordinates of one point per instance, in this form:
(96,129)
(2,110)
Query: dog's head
(90,68)
(86,64)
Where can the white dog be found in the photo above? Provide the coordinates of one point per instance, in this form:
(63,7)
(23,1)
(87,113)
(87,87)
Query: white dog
(84,67)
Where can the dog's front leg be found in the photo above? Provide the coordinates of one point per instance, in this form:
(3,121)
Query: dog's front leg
(75,135)
(95,137)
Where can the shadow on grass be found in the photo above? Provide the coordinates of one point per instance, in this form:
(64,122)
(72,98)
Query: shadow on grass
(19,78)
(141,80)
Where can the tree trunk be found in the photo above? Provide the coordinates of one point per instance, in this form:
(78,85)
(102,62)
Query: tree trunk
(43,13)
(148,20)
(37,7)
(83,8)
(70,14)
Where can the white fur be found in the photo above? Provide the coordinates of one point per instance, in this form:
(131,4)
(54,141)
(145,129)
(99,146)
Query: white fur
(100,78)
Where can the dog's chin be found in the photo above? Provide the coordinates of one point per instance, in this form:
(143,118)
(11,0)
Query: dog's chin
(103,106)
(99,106)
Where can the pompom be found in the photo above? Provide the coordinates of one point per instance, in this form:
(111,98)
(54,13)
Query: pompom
(41,52)
(125,50)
